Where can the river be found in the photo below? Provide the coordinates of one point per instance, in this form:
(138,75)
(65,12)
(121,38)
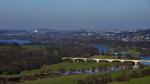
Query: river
(145,58)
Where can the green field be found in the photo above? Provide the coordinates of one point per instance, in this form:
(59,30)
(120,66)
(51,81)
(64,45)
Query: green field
(57,80)
(143,80)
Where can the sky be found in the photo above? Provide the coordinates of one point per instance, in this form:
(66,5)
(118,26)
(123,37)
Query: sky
(75,14)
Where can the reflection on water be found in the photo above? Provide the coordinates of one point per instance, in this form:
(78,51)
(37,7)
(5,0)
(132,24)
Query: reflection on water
(97,70)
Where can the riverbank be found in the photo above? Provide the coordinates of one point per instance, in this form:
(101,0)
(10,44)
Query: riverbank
(64,79)
(77,67)
(126,75)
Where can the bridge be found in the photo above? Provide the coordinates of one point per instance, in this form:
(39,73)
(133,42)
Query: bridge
(108,60)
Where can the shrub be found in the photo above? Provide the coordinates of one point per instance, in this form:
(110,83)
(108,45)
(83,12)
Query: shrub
(98,79)
(146,72)
(80,81)
(136,74)
(61,70)
(123,77)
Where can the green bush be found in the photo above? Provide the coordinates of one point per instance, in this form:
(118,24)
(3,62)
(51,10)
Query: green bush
(123,77)
(136,74)
(98,79)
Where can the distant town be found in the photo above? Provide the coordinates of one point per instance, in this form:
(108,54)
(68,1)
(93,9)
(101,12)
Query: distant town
(43,35)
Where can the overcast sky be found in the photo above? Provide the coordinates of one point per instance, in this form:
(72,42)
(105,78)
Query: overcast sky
(75,14)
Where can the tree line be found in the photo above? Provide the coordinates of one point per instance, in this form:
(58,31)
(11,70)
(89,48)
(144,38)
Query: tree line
(14,59)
